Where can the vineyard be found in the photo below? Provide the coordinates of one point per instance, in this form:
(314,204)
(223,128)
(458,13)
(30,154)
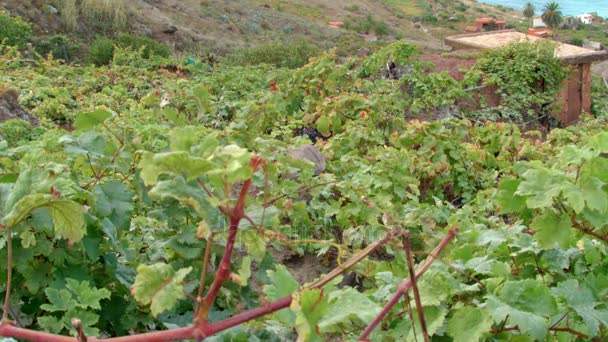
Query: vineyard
(160,200)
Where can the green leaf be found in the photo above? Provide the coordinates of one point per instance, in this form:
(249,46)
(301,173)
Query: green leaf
(177,189)
(179,163)
(60,300)
(67,216)
(580,298)
(529,295)
(309,306)
(87,296)
(540,187)
(245,270)
(87,319)
(506,198)
(323,124)
(526,303)
(114,200)
(434,317)
(469,323)
(86,121)
(552,229)
(282,284)
(345,306)
(51,324)
(255,243)
(160,286)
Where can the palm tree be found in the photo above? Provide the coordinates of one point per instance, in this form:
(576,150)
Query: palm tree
(529,11)
(552,15)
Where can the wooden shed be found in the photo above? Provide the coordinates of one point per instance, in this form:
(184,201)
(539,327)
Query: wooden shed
(576,91)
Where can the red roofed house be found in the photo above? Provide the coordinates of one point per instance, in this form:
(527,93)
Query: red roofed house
(540,32)
(488,24)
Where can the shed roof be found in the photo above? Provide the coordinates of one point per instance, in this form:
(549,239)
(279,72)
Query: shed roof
(568,54)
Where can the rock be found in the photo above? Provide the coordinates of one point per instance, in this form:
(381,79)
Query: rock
(11,109)
(311,153)
(52,10)
(170,29)
(363,52)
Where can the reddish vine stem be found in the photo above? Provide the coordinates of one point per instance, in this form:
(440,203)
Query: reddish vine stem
(407,284)
(9,275)
(201,285)
(410,267)
(201,329)
(566,329)
(237,213)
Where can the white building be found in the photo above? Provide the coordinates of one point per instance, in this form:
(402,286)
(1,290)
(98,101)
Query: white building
(538,22)
(585,18)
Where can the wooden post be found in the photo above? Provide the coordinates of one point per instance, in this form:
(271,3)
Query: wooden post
(586,91)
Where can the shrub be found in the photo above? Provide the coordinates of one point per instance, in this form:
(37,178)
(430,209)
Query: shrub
(59,45)
(101,52)
(289,55)
(14,30)
(150,46)
(366,25)
(577,41)
(528,77)
(17,132)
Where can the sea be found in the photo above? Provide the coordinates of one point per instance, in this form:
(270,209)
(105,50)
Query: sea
(568,7)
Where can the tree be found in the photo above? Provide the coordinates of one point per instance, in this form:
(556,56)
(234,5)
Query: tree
(552,15)
(529,11)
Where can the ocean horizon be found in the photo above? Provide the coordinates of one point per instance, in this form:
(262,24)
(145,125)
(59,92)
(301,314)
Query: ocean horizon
(568,7)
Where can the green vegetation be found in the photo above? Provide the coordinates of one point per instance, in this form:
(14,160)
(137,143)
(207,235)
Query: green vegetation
(528,77)
(552,15)
(103,50)
(14,31)
(367,25)
(529,11)
(153,199)
(288,55)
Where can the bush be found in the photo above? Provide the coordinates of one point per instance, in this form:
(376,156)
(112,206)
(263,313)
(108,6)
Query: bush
(103,49)
(367,25)
(59,45)
(150,46)
(14,30)
(289,55)
(577,41)
(17,132)
(101,52)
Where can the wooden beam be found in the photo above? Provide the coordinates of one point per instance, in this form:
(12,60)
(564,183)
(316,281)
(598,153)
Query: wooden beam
(586,91)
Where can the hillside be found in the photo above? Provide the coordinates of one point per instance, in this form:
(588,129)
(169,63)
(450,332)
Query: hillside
(221,25)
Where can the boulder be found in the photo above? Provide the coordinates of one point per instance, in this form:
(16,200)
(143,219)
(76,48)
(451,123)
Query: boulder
(11,109)
(310,153)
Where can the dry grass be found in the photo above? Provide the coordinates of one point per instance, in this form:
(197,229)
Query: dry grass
(69,14)
(114,10)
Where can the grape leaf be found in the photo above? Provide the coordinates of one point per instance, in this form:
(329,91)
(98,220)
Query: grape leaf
(87,296)
(309,306)
(86,121)
(469,323)
(60,300)
(551,230)
(528,323)
(51,324)
(67,216)
(345,306)
(580,298)
(114,201)
(160,286)
(173,163)
(282,283)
